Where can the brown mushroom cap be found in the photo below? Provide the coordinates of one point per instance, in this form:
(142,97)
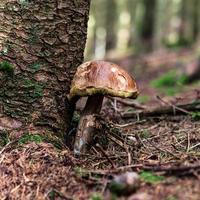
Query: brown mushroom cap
(100,77)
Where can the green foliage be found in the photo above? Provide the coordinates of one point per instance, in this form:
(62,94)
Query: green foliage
(26,138)
(96,196)
(4,138)
(170,83)
(7,67)
(52,195)
(169,79)
(176,44)
(149,177)
(195,115)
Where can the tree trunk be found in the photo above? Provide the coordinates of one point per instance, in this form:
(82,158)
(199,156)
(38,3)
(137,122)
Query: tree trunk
(196,16)
(41,44)
(147,28)
(131,7)
(111,24)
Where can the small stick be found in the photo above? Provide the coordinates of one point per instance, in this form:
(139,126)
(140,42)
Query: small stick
(129,103)
(106,156)
(173,106)
(188,142)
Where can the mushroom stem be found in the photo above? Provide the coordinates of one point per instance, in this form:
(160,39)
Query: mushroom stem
(87,124)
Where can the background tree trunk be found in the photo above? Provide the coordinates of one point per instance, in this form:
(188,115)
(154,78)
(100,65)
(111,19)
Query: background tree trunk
(111,24)
(147,27)
(41,44)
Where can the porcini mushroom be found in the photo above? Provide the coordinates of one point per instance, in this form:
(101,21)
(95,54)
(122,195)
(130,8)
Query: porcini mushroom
(96,79)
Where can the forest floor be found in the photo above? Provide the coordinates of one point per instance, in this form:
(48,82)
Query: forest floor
(162,148)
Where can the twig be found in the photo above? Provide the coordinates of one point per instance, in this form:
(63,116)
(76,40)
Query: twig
(131,104)
(194,146)
(61,195)
(162,150)
(106,156)
(188,142)
(130,124)
(173,106)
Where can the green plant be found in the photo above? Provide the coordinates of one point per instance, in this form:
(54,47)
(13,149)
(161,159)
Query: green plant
(195,115)
(30,138)
(170,83)
(4,138)
(149,177)
(6,67)
(169,79)
(52,195)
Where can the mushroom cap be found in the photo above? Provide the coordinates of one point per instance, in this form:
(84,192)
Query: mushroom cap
(100,77)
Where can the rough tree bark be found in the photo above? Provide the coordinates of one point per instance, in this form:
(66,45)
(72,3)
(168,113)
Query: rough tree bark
(41,44)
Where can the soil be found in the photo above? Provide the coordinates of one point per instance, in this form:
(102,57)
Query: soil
(164,145)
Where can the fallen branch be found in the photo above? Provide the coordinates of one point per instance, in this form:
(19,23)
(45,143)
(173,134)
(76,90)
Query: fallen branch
(167,170)
(175,170)
(166,110)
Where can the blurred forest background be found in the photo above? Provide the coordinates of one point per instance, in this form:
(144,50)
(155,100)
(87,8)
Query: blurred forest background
(121,27)
(156,40)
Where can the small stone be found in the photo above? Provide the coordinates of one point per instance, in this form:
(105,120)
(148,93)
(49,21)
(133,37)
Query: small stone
(125,184)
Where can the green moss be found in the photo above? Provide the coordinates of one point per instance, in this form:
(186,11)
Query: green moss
(36,89)
(195,115)
(33,35)
(149,177)
(170,83)
(26,138)
(169,79)
(35,67)
(4,138)
(7,67)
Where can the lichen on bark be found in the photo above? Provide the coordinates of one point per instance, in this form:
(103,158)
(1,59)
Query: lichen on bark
(41,43)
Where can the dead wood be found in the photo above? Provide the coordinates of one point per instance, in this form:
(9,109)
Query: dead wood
(166,110)
(174,170)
